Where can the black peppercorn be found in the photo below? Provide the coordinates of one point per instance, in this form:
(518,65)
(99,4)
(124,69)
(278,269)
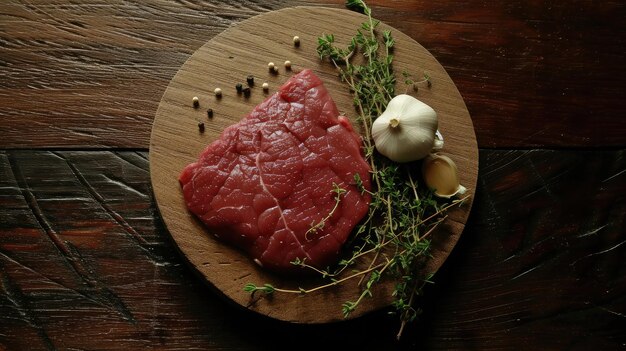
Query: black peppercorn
(201,127)
(239,88)
(250,80)
(209,113)
(246,92)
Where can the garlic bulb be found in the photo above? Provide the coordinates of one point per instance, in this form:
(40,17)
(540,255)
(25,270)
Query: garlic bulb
(406,130)
(441,175)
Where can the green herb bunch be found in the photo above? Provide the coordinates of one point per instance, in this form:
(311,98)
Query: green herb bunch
(393,240)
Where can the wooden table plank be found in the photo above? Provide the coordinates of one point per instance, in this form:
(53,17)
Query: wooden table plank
(86,264)
(546,249)
(91,74)
(533,73)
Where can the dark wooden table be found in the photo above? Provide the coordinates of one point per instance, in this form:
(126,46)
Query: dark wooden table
(86,263)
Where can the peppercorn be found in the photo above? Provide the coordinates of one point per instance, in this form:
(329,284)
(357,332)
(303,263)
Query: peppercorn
(250,80)
(288,65)
(296,41)
(218,92)
(266,86)
(209,113)
(239,88)
(246,92)
(196,102)
(201,127)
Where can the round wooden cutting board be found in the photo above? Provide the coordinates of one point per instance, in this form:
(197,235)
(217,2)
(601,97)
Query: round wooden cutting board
(245,49)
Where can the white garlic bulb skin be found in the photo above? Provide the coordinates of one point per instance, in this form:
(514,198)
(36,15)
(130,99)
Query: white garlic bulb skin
(405,132)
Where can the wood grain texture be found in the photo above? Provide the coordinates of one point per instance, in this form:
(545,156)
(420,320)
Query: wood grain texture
(85,262)
(230,57)
(546,247)
(91,73)
(533,268)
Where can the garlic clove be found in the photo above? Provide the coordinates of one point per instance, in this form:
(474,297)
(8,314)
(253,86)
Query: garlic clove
(441,174)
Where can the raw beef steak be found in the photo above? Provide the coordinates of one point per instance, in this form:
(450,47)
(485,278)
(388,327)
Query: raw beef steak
(269,178)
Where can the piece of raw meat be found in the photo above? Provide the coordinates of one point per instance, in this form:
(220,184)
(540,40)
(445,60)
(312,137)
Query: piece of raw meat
(269,178)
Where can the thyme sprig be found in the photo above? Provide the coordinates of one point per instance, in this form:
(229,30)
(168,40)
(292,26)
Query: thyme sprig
(338,191)
(393,240)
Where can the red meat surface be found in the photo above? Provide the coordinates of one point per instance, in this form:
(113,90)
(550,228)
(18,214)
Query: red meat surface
(269,178)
